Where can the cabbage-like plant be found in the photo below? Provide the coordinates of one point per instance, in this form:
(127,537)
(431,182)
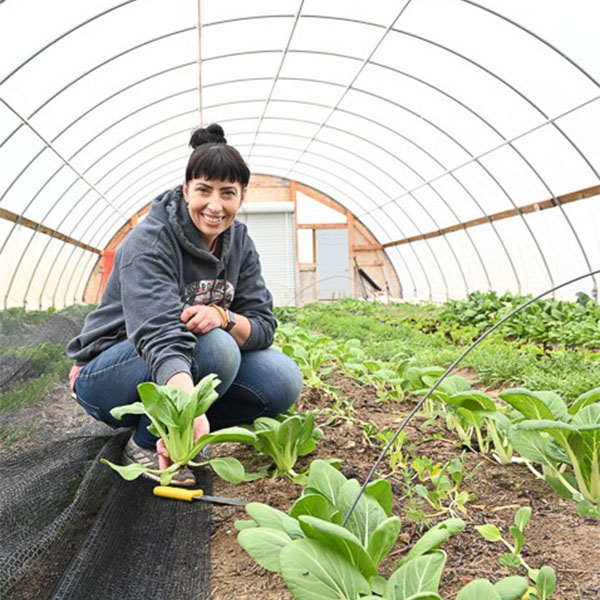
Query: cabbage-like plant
(172,411)
(552,436)
(320,557)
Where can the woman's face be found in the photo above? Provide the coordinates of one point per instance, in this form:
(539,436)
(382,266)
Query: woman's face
(212,205)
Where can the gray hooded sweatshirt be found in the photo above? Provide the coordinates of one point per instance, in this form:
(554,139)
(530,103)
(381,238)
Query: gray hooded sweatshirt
(163,265)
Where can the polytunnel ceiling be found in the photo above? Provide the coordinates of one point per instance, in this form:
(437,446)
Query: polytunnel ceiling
(445,126)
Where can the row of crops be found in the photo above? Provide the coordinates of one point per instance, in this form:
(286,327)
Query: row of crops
(530,398)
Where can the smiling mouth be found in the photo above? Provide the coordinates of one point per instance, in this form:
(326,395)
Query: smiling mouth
(212,220)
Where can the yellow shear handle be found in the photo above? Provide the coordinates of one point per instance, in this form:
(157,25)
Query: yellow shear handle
(176,493)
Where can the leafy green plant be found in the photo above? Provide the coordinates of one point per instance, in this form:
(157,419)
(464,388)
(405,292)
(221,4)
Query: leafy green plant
(443,492)
(311,352)
(544,578)
(553,436)
(172,411)
(491,533)
(285,439)
(509,588)
(319,558)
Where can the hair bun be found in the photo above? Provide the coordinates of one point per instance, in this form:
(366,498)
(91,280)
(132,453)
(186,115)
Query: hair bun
(213,134)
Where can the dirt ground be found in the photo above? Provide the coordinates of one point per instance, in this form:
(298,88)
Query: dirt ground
(555,536)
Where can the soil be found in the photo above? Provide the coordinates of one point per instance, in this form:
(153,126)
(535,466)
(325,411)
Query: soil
(555,536)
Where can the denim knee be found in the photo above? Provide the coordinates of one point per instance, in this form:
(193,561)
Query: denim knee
(216,352)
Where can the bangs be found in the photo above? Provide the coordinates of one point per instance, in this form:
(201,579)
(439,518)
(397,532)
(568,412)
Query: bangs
(218,162)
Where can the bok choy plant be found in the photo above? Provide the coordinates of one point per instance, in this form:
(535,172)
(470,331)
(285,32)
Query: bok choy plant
(319,558)
(554,437)
(285,438)
(172,411)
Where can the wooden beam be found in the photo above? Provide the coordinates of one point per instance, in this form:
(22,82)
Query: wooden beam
(351,221)
(323,199)
(505,214)
(322,225)
(375,263)
(367,247)
(15,218)
(133,221)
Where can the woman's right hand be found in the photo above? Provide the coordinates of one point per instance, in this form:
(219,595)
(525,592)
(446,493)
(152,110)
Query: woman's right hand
(201,427)
(200,319)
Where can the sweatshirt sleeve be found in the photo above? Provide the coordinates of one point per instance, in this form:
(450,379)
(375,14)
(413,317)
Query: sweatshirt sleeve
(152,308)
(254,301)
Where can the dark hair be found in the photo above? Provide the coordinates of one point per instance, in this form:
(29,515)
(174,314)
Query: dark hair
(213,158)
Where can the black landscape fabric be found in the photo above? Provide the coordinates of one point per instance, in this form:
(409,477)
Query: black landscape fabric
(71,528)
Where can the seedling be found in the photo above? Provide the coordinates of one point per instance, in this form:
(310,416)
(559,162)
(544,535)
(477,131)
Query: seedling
(444,481)
(544,578)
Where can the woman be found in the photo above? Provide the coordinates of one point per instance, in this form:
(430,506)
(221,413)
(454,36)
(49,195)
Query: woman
(186,298)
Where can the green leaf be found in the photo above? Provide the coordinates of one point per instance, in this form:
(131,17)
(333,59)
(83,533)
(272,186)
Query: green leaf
(204,393)
(589,397)
(378,584)
(241,524)
(558,486)
(472,400)
(586,509)
(178,396)
(434,538)
(518,537)
(156,404)
(267,516)
(512,588)
(522,517)
(381,490)
(383,539)
(228,468)
(341,540)
(306,447)
(536,405)
(453,384)
(546,582)
(289,432)
(137,408)
(264,545)
(313,505)
(129,472)
(312,571)
(479,589)
(325,480)
(490,532)
(366,516)
(308,424)
(417,576)
(510,560)
(230,434)
(531,445)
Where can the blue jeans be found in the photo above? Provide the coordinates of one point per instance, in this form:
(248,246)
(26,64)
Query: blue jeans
(253,384)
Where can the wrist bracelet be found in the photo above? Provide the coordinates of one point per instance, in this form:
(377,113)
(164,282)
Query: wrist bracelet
(222,314)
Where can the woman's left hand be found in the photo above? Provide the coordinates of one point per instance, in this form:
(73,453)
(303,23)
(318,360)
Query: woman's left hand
(200,318)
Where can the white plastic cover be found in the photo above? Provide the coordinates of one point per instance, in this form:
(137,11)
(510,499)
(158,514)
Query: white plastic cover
(415,115)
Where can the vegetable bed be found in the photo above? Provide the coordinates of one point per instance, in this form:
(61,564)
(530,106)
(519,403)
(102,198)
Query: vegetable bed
(555,536)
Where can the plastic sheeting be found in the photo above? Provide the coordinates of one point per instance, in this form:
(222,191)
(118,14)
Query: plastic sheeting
(415,115)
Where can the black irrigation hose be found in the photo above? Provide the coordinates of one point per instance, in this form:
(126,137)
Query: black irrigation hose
(446,373)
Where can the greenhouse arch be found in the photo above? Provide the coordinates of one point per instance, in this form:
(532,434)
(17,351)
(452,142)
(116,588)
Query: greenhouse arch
(423,133)
(354,352)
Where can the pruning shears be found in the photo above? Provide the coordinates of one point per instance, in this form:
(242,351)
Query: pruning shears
(175,493)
